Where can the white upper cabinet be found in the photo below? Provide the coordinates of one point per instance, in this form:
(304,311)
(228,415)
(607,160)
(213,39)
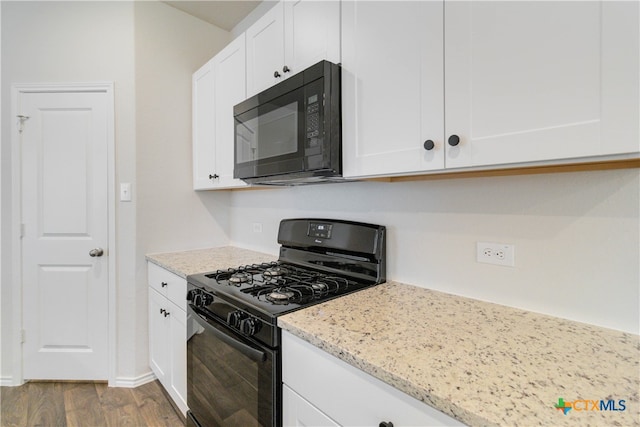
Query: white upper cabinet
(392,87)
(229,67)
(522,82)
(217,87)
(265,50)
(203,126)
(535,81)
(290,37)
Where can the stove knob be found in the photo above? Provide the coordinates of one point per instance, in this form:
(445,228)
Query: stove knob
(206,299)
(235,318)
(191,294)
(197,300)
(250,326)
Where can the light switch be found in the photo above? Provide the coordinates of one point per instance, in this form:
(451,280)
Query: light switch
(125,192)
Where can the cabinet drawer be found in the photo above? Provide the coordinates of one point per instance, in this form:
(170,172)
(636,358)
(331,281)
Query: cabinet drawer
(348,395)
(168,284)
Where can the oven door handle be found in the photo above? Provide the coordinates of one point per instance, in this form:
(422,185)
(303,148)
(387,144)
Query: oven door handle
(252,353)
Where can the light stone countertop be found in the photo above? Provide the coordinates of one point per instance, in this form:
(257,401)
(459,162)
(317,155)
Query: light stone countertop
(205,260)
(481,363)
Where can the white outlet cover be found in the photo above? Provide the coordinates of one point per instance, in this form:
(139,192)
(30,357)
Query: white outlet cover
(496,254)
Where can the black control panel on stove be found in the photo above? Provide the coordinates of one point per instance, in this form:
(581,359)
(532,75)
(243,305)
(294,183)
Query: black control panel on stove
(322,230)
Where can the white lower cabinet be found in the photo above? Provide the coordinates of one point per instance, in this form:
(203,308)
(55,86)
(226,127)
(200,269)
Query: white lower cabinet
(168,332)
(321,390)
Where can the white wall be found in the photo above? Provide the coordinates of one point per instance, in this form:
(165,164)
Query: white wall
(149,51)
(577,236)
(170,46)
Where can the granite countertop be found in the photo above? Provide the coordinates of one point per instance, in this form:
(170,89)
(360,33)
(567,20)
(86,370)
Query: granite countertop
(204,260)
(481,363)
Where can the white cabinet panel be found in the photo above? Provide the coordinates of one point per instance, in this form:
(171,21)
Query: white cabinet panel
(229,69)
(265,50)
(168,332)
(522,82)
(178,355)
(515,93)
(217,87)
(311,33)
(203,126)
(290,37)
(392,82)
(347,395)
(158,339)
(300,413)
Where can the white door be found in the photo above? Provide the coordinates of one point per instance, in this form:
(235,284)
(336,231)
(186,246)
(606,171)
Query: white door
(265,51)
(204,128)
(311,33)
(392,87)
(65,217)
(532,81)
(230,89)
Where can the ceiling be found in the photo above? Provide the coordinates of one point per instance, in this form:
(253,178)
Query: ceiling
(224,14)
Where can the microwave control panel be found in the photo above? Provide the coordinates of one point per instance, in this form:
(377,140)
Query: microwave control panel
(313,117)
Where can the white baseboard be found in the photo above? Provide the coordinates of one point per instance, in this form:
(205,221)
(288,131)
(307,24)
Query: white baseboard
(133,382)
(7,382)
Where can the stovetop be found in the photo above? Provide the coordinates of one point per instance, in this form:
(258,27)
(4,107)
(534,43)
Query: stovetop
(276,288)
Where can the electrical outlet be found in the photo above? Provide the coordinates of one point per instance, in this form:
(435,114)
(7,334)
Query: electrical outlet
(257,227)
(496,253)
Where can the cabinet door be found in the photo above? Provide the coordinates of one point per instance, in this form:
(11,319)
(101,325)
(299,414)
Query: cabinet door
(203,127)
(178,350)
(311,33)
(230,89)
(532,81)
(297,412)
(392,86)
(348,395)
(158,336)
(265,50)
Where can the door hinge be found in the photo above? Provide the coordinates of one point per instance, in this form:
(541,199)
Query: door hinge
(22,230)
(21,119)
(23,336)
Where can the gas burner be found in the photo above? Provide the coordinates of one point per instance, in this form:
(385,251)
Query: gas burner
(281,296)
(275,271)
(319,287)
(240,277)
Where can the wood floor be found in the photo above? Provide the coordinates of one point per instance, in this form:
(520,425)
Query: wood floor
(55,404)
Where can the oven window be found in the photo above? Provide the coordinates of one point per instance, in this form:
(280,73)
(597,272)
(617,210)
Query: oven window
(225,386)
(276,130)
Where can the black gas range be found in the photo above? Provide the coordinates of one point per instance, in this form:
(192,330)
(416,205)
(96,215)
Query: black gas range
(236,341)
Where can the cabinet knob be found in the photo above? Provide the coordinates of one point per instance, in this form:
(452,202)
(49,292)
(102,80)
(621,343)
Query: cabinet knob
(163,284)
(286,69)
(162,311)
(276,74)
(454,140)
(429,144)
(214,176)
(166,313)
(385,424)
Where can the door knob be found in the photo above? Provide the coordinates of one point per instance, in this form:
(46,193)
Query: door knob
(96,252)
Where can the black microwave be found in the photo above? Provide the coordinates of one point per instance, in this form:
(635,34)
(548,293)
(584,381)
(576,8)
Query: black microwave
(291,133)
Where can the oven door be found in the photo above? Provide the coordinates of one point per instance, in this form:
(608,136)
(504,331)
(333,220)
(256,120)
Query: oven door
(231,380)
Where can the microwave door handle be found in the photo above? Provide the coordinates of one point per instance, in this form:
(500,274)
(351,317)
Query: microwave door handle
(252,353)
